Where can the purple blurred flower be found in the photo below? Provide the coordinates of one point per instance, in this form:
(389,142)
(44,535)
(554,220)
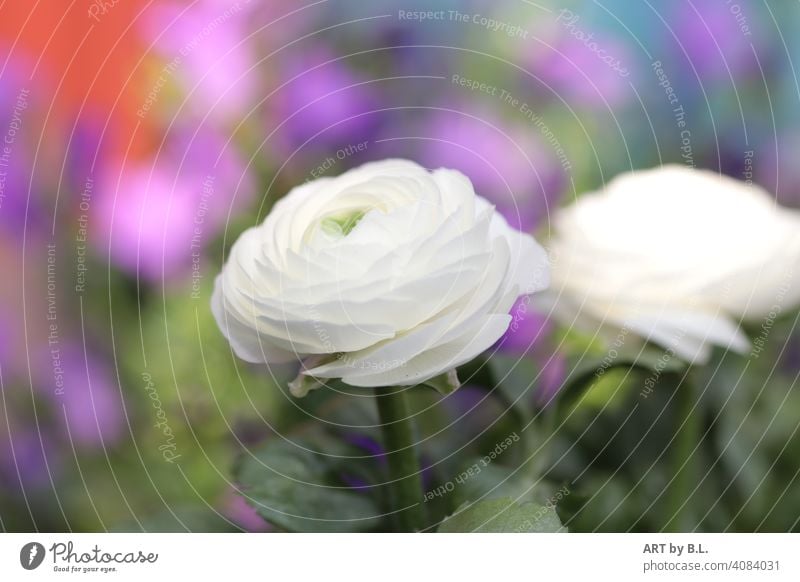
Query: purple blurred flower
(528,336)
(85,396)
(508,164)
(6,343)
(553,372)
(19,184)
(367,444)
(322,96)
(86,151)
(528,327)
(28,459)
(713,40)
(14,195)
(154,215)
(591,73)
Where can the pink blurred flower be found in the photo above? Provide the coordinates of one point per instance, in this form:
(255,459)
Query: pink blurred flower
(154,216)
(237,510)
(204,46)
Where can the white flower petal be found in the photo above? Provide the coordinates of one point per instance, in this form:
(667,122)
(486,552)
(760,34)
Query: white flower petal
(665,249)
(405,273)
(440,359)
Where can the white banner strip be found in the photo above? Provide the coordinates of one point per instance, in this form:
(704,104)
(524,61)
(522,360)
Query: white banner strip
(389,557)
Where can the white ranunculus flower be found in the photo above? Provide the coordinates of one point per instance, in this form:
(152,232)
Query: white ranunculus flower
(385,275)
(677,256)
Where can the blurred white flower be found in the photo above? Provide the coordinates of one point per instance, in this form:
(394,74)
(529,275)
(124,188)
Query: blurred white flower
(386,275)
(677,256)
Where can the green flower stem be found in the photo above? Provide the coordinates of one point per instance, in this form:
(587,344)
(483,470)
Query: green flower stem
(404,472)
(687,436)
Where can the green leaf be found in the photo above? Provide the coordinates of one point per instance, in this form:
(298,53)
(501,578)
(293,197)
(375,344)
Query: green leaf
(502,516)
(609,391)
(515,379)
(494,480)
(296,489)
(603,373)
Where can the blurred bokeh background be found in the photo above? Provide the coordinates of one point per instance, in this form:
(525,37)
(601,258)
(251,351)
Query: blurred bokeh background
(141,137)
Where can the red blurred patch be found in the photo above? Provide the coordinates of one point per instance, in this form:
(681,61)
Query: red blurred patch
(90,56)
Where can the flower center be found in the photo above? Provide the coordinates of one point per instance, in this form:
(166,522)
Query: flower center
(340,225)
